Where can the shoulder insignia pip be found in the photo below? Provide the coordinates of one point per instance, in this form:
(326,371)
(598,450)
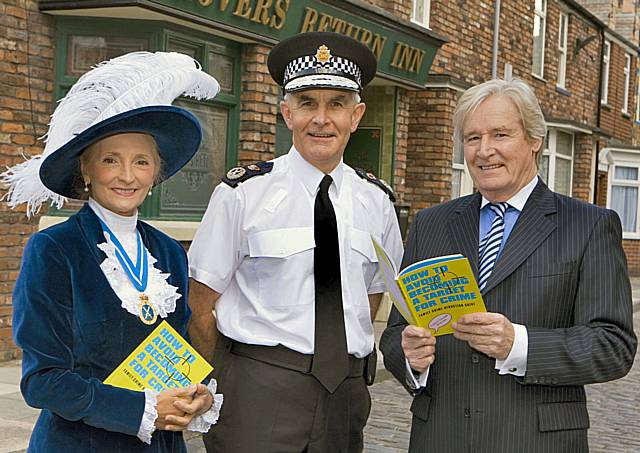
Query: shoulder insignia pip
(240,174)
(378,182)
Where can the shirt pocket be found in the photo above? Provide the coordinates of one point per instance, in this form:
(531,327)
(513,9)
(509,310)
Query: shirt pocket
(363,258)
(283,263)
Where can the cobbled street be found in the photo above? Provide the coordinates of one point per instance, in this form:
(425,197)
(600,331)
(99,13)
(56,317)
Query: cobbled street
(614,408)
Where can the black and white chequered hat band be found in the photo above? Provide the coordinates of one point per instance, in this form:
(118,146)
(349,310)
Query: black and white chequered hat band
(309,65)
(322,80)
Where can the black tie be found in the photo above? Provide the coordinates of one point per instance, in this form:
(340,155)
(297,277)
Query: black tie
(330,359)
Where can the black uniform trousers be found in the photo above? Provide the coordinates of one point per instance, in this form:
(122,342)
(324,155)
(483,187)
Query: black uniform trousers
(276,409)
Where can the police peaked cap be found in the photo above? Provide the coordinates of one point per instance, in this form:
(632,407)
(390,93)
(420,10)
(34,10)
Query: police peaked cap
(321,60)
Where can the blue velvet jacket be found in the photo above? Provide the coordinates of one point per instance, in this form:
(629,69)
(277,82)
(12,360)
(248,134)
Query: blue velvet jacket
(73,332)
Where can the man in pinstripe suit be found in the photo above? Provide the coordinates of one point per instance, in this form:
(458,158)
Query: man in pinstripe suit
(557,292)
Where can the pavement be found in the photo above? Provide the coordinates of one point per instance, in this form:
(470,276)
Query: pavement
(614,408)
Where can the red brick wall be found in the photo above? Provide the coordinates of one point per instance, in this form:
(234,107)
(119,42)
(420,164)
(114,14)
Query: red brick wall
(398,8)
(26,81)
(582,73)
(258,107)
(467,56)
(632,250)
(429,148)
(612,120)
(402,136)
(584,148)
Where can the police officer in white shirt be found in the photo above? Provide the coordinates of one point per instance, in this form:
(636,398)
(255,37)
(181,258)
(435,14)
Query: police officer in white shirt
(284,255)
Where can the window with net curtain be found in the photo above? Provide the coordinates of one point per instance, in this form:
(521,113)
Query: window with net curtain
(556,164)
(458,173)
(539,25)
(420,12)
(624,196)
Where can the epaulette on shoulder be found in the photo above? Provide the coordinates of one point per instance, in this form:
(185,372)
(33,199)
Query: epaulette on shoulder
(240,174)
(373,179)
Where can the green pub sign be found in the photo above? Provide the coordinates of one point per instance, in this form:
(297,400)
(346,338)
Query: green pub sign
(402,56)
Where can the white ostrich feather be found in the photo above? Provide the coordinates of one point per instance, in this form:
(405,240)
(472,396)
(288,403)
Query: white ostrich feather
(124,83)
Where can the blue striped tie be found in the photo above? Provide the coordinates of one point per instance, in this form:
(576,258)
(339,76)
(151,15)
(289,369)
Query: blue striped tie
(490,244)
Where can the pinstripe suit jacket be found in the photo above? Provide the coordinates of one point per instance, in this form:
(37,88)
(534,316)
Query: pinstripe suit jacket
(562,274)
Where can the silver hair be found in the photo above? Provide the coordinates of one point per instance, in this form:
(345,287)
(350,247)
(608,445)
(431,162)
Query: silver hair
(518,92)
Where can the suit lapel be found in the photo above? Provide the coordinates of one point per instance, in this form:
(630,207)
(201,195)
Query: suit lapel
(463,229)
(534,224)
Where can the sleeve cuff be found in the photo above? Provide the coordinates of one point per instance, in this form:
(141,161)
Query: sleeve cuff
(377,288)
(516,361)
(148,422)
(203,422)
(421,380)
(207,279)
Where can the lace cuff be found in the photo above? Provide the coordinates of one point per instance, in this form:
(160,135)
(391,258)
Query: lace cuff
(148,422)
(203,422)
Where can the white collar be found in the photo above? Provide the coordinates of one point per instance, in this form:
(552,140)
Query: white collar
(309,175)
(520,199)
(120,225)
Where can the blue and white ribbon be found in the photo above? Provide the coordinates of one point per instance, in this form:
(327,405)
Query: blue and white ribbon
(138,273)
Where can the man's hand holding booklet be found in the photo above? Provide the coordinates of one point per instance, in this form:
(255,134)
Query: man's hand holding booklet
(432,293)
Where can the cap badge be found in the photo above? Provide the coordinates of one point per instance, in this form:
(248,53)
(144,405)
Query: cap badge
(323,54)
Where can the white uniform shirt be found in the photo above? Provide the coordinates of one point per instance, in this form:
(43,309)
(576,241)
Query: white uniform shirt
(255,246)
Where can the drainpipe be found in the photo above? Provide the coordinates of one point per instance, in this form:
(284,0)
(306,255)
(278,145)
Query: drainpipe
(496,35)
(598,113)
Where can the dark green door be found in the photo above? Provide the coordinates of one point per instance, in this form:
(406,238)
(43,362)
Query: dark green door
(364,148)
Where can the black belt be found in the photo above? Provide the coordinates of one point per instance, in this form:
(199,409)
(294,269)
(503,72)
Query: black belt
(288,358)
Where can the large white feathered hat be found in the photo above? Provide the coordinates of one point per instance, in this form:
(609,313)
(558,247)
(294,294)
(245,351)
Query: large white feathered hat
(130,93)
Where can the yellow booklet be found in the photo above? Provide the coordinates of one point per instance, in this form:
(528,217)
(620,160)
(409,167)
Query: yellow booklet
(162,360)
(432,293)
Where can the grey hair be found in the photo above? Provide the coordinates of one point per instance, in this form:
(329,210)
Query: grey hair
(518,92)
(356,96)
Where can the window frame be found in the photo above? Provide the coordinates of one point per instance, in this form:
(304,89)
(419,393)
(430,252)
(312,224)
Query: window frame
(629,159)
(424,20)
(466,183)
(562,49)
(159,35)
(627,83)
(542,14)
(551,151)
(606,63)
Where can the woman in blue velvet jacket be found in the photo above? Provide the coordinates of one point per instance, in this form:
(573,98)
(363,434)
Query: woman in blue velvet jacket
(93,287)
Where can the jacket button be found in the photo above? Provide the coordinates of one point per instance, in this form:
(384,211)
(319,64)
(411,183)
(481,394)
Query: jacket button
(467,413)
(475,358)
